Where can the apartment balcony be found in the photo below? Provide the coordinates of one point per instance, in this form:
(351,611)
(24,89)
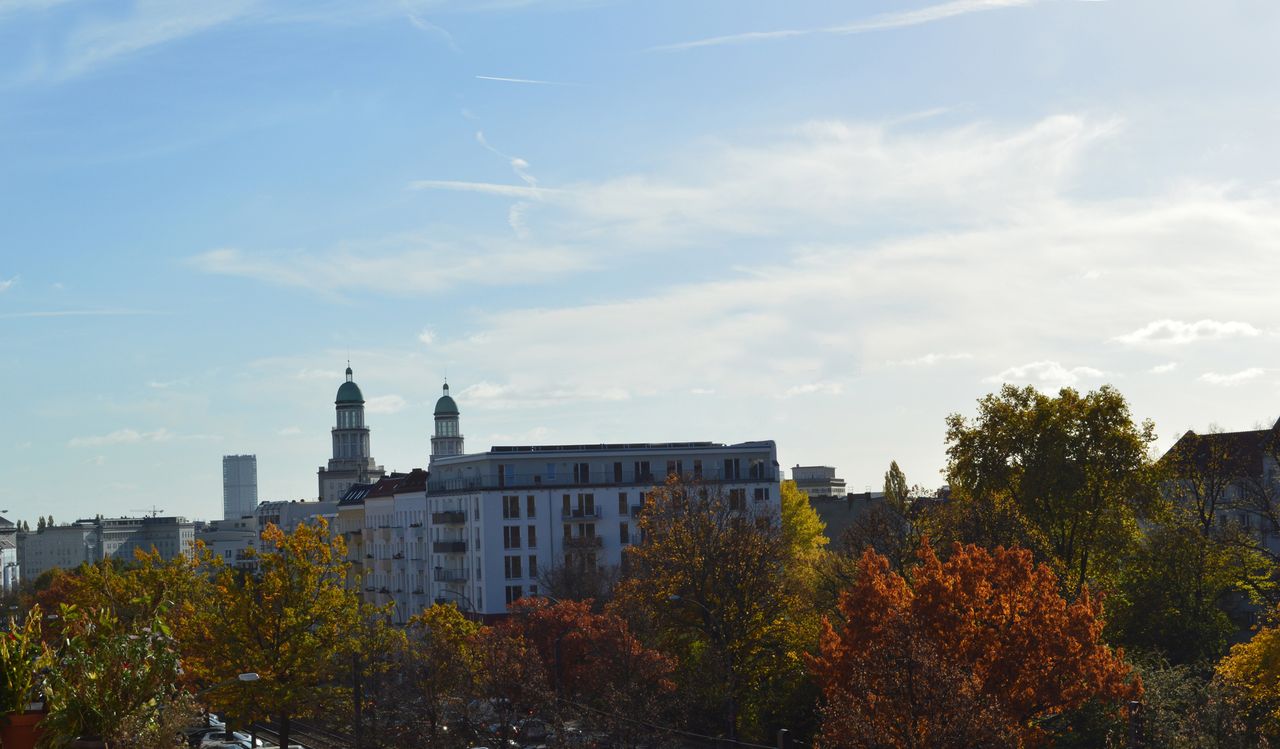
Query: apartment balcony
(580,514)
(449,576)
(449,517)
(584,542)
(521,481)
(449,547)
(635,510)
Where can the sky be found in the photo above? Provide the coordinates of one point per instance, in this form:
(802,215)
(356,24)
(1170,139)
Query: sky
(829,224)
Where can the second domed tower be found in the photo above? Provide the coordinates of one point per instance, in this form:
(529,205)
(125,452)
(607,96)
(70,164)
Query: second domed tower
(447,439)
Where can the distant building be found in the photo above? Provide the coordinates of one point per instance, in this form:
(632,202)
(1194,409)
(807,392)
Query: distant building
(231,540)
(289,514)
(8,556)
(239,485)
(447,439)
(69,546)
(818,481)
(351,462)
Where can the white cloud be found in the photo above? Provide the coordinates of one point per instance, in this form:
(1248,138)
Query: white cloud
(6,284)
(487,188)
(133,436)
(290,431)
(1049,373)
(1177,332)
(1163,368)
(419,265)
(814,388)
(1234,378)
(385,404)
(97,460)
(525,80)
(895,20)
(930,359)
(427,336)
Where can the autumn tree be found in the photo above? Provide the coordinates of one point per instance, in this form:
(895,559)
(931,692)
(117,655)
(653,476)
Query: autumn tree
(289,622)
(979,650)
(887,526)
(600,671)
(1071,469)
(438,667)
(711,576)
(1251,671)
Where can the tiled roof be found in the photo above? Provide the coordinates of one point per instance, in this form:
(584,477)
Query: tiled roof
(1236,454)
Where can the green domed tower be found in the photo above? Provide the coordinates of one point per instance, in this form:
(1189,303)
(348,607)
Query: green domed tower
(351,462)
(447,439)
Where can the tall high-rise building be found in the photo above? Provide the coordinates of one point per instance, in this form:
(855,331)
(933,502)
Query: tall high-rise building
(239,485)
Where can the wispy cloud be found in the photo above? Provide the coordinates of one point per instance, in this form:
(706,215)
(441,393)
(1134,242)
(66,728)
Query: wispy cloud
(1177,332)
(533,81)
(488,188)
(1233,378)
(77,313)
(813,388)
(6,284)
(930,359)
(1046,373)
(1164,368)
(427,336)
(405,265)
(291,431)
(881,22)
(385,404)
(133,436)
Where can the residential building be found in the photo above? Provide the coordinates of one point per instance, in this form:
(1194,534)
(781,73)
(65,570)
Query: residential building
(9,577)
(818,481)
(69,546)
(501,518)
(352,462)
(287,515)
(239,485)
(395,543)
(232,540)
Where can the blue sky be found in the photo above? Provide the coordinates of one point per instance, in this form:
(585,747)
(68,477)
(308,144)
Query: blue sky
(825,223)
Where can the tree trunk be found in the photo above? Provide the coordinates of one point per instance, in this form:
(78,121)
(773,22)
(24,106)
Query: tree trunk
(284,731)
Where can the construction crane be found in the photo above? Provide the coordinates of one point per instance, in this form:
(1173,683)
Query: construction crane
(151,512)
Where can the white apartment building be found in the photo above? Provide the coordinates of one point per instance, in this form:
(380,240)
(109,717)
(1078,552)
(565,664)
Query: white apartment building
(289,514)
(69,546)
(499,519)
(239,485)
(394,543)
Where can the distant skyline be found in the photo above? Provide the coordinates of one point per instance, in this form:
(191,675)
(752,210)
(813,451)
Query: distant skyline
(829,224)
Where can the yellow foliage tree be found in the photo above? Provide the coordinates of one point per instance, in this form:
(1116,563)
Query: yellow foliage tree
(290,622)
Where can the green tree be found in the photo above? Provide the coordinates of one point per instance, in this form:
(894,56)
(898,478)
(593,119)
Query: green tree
(711,578)
(888,526)
(1074,467)
(289,622)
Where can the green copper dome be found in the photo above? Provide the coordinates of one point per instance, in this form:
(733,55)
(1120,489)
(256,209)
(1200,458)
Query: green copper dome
(445,406)
(349,392)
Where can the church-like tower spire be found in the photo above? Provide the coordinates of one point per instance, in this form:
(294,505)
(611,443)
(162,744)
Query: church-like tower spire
(351,461)
(447,439)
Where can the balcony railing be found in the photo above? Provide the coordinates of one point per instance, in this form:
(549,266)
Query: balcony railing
(579,514)
(584,542)
(596,478)
(449,576)
(449,517)
(449,547)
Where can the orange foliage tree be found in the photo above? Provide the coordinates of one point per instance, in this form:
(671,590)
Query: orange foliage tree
(981,650)
(597,667)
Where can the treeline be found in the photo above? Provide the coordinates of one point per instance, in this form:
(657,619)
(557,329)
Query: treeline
(1068,591)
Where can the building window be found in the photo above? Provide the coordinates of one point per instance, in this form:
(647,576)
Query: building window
(565,505)
(533,590)
(624,533)
(738,499)
(506,474)
(732,469)
(757,468)
(510,507)
(551,472)
(581,473)
(617,473)
(531,506)
(568,531)
(511,567)
(514,593)
(642,472)
(675,467)
(511,537)
(533,566)
(533,537)
(697,468)
(761,493)
(623,506)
